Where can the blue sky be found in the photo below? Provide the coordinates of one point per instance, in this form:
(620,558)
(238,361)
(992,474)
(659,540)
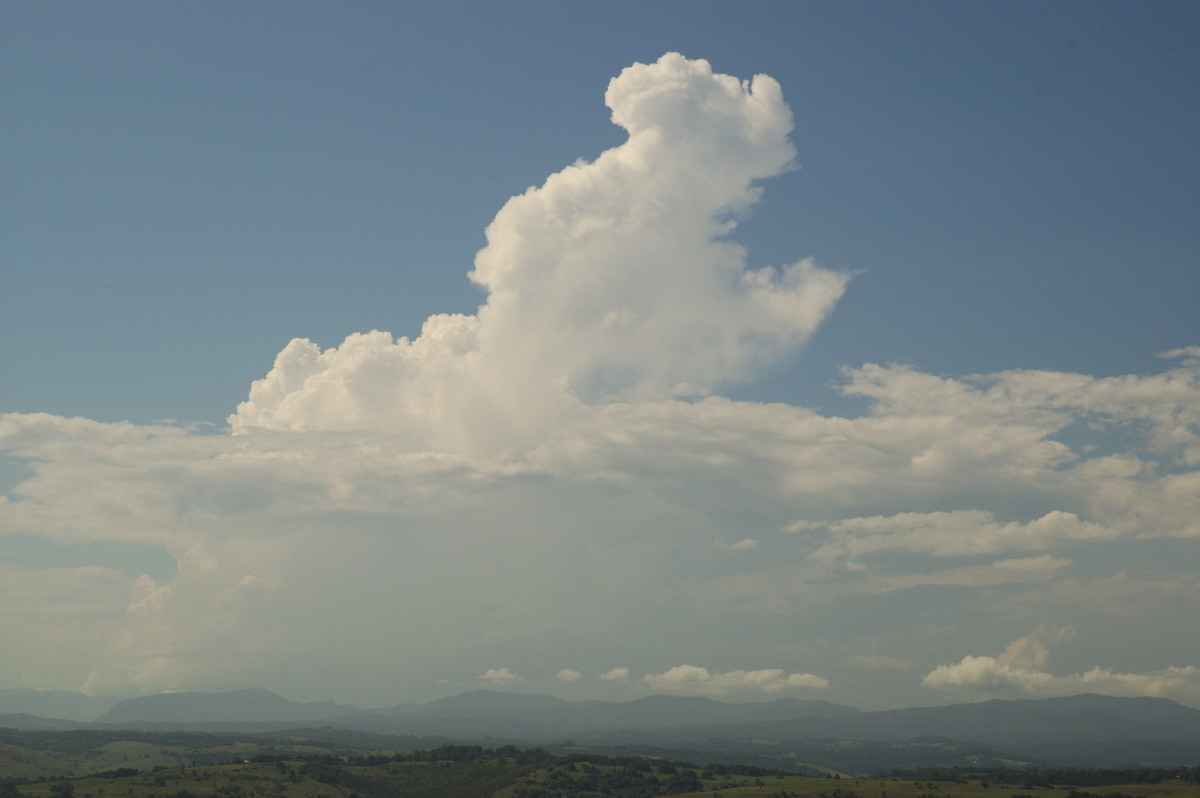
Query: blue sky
(1001,203)
(191,186)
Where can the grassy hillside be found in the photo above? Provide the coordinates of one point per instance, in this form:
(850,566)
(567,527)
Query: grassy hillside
(228,768)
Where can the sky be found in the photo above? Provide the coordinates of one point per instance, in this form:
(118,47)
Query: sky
(380,351)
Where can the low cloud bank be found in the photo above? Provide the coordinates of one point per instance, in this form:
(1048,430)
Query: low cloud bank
(1019,672)
(693,679)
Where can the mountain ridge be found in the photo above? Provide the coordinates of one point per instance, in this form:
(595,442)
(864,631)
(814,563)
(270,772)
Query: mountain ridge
(65,704)
(248,705)
(1129,730)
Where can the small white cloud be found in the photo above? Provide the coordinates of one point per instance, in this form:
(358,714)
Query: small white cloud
(694,679)
(1042,568)
(1186,351)
(681,676)
(569,675)
(744,545)
(498,676)
(953,533)
(616,675)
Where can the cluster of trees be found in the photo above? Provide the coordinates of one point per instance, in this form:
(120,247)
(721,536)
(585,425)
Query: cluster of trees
(533,773)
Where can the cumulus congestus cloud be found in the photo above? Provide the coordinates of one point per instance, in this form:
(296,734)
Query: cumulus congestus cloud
(614,280)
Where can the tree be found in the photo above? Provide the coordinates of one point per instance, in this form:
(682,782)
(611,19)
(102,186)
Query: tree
(63,789)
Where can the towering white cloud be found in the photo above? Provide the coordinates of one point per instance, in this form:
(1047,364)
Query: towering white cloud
(611,281)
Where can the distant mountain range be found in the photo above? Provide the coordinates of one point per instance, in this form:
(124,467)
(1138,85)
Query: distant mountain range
(1083,729)
(239,706)
(55,703)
